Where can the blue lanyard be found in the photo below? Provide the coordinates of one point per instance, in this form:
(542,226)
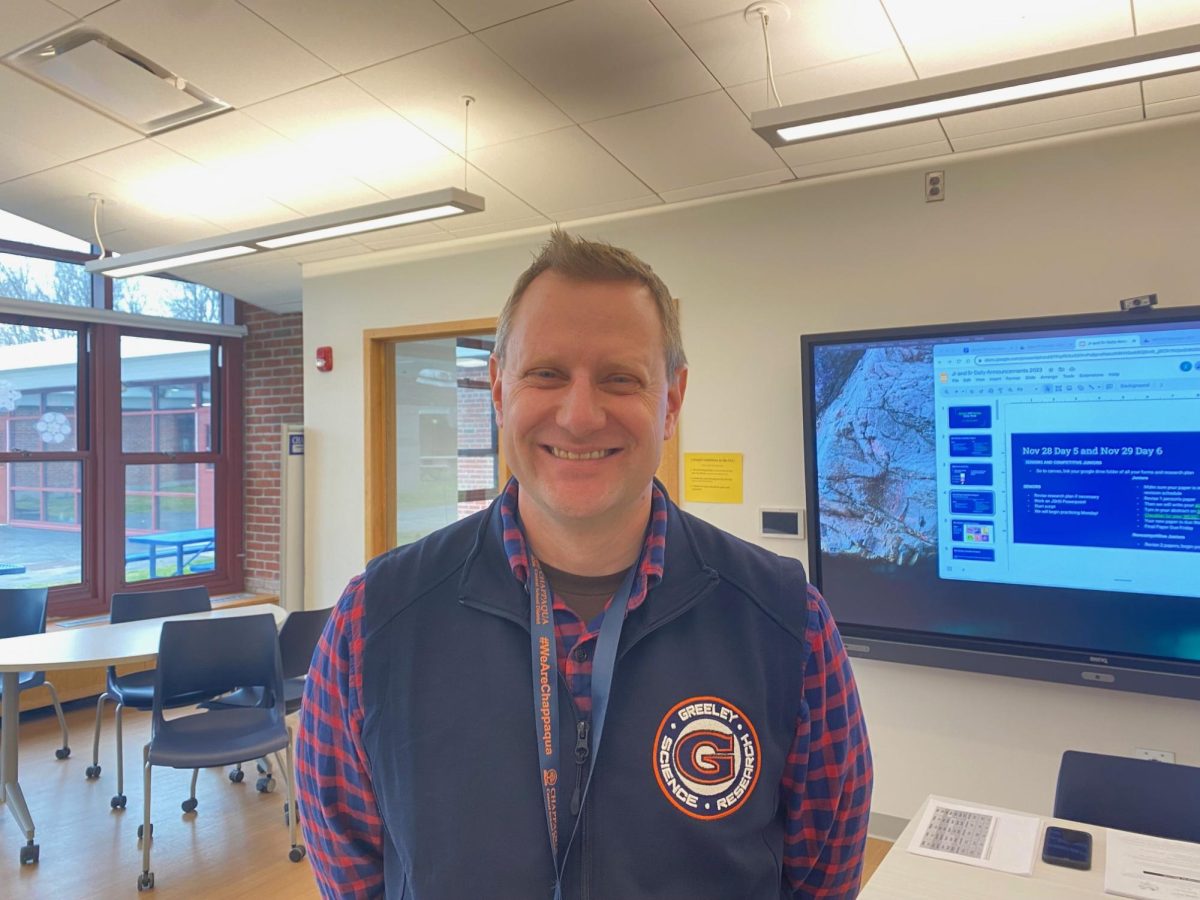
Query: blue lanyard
(545,696)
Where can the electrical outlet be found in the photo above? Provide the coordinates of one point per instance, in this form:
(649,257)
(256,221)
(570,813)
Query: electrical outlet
(1167,756)
(935,186)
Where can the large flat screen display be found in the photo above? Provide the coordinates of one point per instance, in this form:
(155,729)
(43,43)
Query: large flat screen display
(1017,497)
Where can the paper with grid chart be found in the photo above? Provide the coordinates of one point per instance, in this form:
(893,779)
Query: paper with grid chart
(986,838)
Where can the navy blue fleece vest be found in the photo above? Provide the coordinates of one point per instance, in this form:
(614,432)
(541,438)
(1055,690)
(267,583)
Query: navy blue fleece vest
(449,725)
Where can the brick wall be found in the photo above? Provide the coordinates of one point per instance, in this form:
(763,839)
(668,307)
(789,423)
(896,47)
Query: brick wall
(274,396)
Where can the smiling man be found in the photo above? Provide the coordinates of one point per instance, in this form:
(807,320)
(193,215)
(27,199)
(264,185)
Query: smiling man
(584,691)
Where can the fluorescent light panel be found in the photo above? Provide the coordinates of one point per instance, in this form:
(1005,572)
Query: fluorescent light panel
(187,259)
(1054,74)
(375,216)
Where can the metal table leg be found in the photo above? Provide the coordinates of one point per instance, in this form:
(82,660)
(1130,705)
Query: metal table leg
(8,767)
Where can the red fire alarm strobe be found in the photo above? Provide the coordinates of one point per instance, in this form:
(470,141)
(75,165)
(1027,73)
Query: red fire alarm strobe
(324,359)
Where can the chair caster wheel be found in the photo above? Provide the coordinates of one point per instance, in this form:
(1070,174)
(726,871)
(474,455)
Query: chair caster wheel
(117,802)
(62,752)
(296,854)
(91,772)
(189,805)
(30,854)
(265,785)
(145,882)
(140,831)
(237,776)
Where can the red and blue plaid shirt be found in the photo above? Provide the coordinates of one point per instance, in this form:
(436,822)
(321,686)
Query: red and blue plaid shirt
(825,787)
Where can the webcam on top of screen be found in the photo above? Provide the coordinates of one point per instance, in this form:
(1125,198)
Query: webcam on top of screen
(1145,301)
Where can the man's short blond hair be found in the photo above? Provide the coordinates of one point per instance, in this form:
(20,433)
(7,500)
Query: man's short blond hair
(583,260)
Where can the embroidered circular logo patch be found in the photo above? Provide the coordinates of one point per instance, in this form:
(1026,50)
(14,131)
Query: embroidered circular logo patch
(706,757)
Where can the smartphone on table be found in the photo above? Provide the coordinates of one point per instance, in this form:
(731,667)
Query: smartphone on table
(1067,847)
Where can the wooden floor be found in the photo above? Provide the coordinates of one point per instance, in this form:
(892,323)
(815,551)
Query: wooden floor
(234,846)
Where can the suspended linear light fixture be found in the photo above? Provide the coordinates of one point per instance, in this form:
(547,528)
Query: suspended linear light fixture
(1053,74)
(375,216)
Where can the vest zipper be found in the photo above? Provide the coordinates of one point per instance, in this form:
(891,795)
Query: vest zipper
(582,750)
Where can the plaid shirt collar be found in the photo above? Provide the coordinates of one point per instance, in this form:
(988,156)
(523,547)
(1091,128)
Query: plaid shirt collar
(650,569)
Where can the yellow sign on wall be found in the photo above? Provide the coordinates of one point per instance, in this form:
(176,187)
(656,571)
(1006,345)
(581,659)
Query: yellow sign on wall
(712,477)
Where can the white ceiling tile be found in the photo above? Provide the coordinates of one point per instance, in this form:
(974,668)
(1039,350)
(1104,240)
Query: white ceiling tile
(1172,87)
(890,157)
(1175,107)
(403,237)
(950,35)
(164,183)
(477,14)
(1038,112)
(1159,15)
(80,8)
(608,209)
(157,231)
(427,88)
(865,143)
(218,45)
(834,79)
(817,33)
(242,151)
(597,58)
(24,21)
(729,185)
(559,170)
(351,34)
(1048,129)
(348,131)
(690,142)
(495,227)
(43,128)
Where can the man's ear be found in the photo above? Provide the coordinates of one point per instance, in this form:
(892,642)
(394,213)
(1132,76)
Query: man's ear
(496,383)
(675,391)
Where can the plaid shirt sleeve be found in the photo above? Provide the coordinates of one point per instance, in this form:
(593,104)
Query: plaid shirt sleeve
(827,784)
(342,828)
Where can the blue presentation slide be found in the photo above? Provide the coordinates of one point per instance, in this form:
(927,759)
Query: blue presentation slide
(975,553)
(1138,490)
(970,445)
(970,417)
(972,531)
(971,473)
(973,503)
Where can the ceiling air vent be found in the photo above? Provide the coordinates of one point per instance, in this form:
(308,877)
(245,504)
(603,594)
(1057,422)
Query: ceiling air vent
(95,69)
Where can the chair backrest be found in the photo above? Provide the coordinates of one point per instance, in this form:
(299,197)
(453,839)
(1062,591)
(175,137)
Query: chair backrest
(22,611)
(1139,795)
(213,656)
(134,605)
(298,639)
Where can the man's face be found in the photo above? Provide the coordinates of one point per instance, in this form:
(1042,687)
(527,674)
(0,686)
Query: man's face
(584,400)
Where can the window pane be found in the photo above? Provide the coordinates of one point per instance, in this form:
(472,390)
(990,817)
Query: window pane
(153,296)
(175,433)
(169,515)
(446,457)
(30,278)
(38,374)
(40,534)
(160,377)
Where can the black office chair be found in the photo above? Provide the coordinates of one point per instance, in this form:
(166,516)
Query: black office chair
(23,612)
(1139,795)
(297,642)
(211,657)
(136,689)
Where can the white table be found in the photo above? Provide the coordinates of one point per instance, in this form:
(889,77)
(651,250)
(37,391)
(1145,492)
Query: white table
(76,648)
(907,876)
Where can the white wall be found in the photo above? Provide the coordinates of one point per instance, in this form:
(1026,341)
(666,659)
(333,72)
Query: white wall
(1068,226)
